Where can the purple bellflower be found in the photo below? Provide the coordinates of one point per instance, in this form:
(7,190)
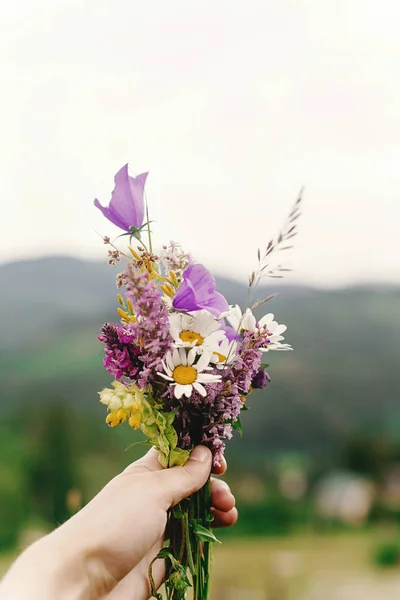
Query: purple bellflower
(260,380)
(198,291)
(126,208)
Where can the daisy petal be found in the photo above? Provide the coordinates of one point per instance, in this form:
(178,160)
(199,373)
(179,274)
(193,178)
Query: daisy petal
(266,319)
(165,376)
(279,329)
(179,391)
(208,378)
(188,390)
(200,388)
(176,358)
(191,356)
(182,356)
(203,360)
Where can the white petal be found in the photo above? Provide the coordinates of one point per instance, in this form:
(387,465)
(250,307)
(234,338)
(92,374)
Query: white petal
(176,358)
(276,338)
(249,321)
(165,376)
(234,316)
(203,360)
(208,378)
(182,356)
(191,356)
(188,390)
(266,319)
(175,325)
(179,391)
(280,329)
(280,347)
(200,388)
(170,363)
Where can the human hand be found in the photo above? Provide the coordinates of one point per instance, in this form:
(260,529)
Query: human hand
(104,551)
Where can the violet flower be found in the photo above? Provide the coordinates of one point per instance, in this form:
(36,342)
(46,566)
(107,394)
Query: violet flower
(198,291)
(260,380)
(126,208)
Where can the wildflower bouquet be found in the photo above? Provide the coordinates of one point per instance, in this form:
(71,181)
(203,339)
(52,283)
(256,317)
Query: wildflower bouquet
(183,363)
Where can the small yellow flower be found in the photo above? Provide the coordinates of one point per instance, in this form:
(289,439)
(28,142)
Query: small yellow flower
(125,403)
(112,419)
(125,316)
(134,421)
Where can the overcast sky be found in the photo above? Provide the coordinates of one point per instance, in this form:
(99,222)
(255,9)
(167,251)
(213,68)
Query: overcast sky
(232,105)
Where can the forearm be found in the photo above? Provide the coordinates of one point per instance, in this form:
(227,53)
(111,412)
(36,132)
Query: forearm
(54,569)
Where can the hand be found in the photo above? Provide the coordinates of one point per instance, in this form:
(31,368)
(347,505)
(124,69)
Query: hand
(104,551)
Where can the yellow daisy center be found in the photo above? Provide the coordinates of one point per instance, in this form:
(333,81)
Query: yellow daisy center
(221,357)
(191,336)
(184,375)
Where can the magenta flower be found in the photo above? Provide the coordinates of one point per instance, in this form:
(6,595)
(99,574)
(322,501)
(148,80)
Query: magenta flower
(126,208)
(198,291)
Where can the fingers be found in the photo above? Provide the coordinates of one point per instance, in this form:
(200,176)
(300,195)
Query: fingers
(221,469)
(221,495)
(148,462)
(224,519)
(223,504)
(180,482)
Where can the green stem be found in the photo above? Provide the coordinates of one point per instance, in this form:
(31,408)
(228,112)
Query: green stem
(148,226)
(188,543)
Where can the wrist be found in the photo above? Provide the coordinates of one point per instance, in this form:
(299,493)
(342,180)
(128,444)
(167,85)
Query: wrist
(53,568)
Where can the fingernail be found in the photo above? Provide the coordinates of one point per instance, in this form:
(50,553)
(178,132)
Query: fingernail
(201,454)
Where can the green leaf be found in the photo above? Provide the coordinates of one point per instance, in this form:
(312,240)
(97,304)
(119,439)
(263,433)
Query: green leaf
(204,535)
(264,366)
(178,457)
(166,553)
(171,436)
(245,407)
(177,512)
(170,416)
(163,460)
(238,426)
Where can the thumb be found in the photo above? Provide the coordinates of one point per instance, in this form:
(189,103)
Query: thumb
(180,482)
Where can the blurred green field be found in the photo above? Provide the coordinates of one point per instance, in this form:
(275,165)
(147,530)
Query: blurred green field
(303,567)
(300,567)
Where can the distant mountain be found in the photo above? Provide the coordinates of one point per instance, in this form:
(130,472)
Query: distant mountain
(343,374)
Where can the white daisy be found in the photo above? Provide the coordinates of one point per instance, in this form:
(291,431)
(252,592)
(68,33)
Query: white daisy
(198,329)
(240,321)
(226,354)
(186,376)
(275,330)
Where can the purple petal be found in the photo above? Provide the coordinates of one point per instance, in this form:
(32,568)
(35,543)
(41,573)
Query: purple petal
(216,304)
(230,332)
(112,216)
(185,298)
(197,291)
(126,208)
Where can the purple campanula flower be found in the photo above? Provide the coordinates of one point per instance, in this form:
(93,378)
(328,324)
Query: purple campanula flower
(198,291)
(126,208)
(260,380)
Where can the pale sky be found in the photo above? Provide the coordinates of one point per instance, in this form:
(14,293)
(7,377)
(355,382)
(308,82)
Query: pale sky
(232,105)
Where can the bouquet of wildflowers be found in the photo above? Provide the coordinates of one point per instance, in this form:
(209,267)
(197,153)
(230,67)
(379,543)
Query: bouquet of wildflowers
(183,363)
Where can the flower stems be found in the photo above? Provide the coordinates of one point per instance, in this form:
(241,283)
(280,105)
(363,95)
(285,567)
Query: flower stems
(188,552)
